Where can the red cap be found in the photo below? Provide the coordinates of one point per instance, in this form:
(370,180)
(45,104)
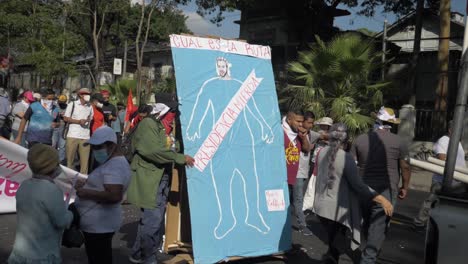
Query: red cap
(105,92)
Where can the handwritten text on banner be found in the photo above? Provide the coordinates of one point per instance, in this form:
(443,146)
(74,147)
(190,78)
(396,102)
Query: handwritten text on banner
(226,120)
(223,45)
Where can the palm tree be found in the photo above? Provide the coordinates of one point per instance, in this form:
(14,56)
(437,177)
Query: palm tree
(333,79)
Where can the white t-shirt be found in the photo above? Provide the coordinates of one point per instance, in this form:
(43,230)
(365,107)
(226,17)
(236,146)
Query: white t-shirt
(304,158)
(20,107)
(79,112)
(441,147)
(102,217)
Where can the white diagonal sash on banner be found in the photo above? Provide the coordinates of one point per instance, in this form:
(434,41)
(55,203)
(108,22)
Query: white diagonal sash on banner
(227,118)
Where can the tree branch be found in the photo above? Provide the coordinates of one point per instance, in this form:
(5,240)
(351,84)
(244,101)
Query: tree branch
(102,20)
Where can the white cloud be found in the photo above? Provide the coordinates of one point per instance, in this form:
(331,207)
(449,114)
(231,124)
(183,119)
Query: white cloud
(198,25)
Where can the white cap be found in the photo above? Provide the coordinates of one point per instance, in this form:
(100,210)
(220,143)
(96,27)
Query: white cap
(102,135)
(324,121)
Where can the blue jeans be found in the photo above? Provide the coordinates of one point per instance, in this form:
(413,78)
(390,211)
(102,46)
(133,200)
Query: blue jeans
(376,224)
(59,143)
(298,200)
(151,226)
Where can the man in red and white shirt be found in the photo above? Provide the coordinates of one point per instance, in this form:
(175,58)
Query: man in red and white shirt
(294,143)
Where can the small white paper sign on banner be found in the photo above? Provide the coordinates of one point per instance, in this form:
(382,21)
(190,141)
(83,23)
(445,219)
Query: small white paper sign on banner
(275,200)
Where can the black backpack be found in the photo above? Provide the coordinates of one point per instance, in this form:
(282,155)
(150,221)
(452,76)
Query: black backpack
(5,130)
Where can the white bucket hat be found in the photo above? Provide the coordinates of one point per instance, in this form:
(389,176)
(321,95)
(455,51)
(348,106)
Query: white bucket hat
(388,115)
(324,121)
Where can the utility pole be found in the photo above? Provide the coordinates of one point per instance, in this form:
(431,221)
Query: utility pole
(416,49)
(124,71)
(459,113)
(384,48)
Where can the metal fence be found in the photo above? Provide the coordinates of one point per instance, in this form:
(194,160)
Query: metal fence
(427,128)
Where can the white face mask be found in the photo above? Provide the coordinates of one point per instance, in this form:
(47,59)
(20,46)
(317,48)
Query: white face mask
(47,103)
(99,105)
(87,97)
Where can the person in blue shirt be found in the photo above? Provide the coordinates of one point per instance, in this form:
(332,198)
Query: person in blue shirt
(43,117)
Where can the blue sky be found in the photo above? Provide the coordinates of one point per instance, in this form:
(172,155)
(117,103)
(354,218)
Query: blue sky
(202,26)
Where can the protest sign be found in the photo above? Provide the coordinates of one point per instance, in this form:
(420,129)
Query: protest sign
(14,169)
(231,125)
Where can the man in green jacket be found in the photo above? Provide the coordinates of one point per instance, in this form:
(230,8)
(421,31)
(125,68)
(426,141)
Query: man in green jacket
(149,186)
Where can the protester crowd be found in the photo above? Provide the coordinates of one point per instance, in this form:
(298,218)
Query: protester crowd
(351,187)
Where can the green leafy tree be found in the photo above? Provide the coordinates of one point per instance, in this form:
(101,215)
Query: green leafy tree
(334,79)
(34,32)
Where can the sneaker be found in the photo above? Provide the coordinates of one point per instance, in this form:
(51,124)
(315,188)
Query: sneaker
(306,231)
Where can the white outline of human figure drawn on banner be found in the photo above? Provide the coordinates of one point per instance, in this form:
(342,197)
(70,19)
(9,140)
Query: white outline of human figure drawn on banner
(194,133)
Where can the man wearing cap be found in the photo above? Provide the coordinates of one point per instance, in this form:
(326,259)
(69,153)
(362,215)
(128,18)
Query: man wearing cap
(381,155)
(324,124)
(149,185)
(78,115)
(43,118)
(19,110)
(108,109)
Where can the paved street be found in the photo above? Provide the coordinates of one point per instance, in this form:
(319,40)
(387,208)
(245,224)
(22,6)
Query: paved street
(402,246)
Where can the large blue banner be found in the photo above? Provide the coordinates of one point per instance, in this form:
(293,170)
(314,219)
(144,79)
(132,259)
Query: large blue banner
(231,125)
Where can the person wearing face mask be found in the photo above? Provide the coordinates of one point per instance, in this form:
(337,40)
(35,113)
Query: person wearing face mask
(99,199)
(98,117)
(41,211)
(57,139)
(43,118)
(109,110)
(78,115)
(19,110)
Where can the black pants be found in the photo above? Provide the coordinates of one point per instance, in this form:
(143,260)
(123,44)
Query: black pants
(98,247)
(333,229)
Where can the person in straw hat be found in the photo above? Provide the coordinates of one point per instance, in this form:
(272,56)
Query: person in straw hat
(380,155)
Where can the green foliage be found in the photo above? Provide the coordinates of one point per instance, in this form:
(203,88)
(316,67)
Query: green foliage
(164,22)
(168,85)
(333,79)
(35,33)
(119,91)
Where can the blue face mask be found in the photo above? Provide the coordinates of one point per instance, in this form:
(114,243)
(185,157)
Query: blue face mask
(101,155)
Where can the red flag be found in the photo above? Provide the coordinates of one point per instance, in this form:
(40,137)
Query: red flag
(130,106)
